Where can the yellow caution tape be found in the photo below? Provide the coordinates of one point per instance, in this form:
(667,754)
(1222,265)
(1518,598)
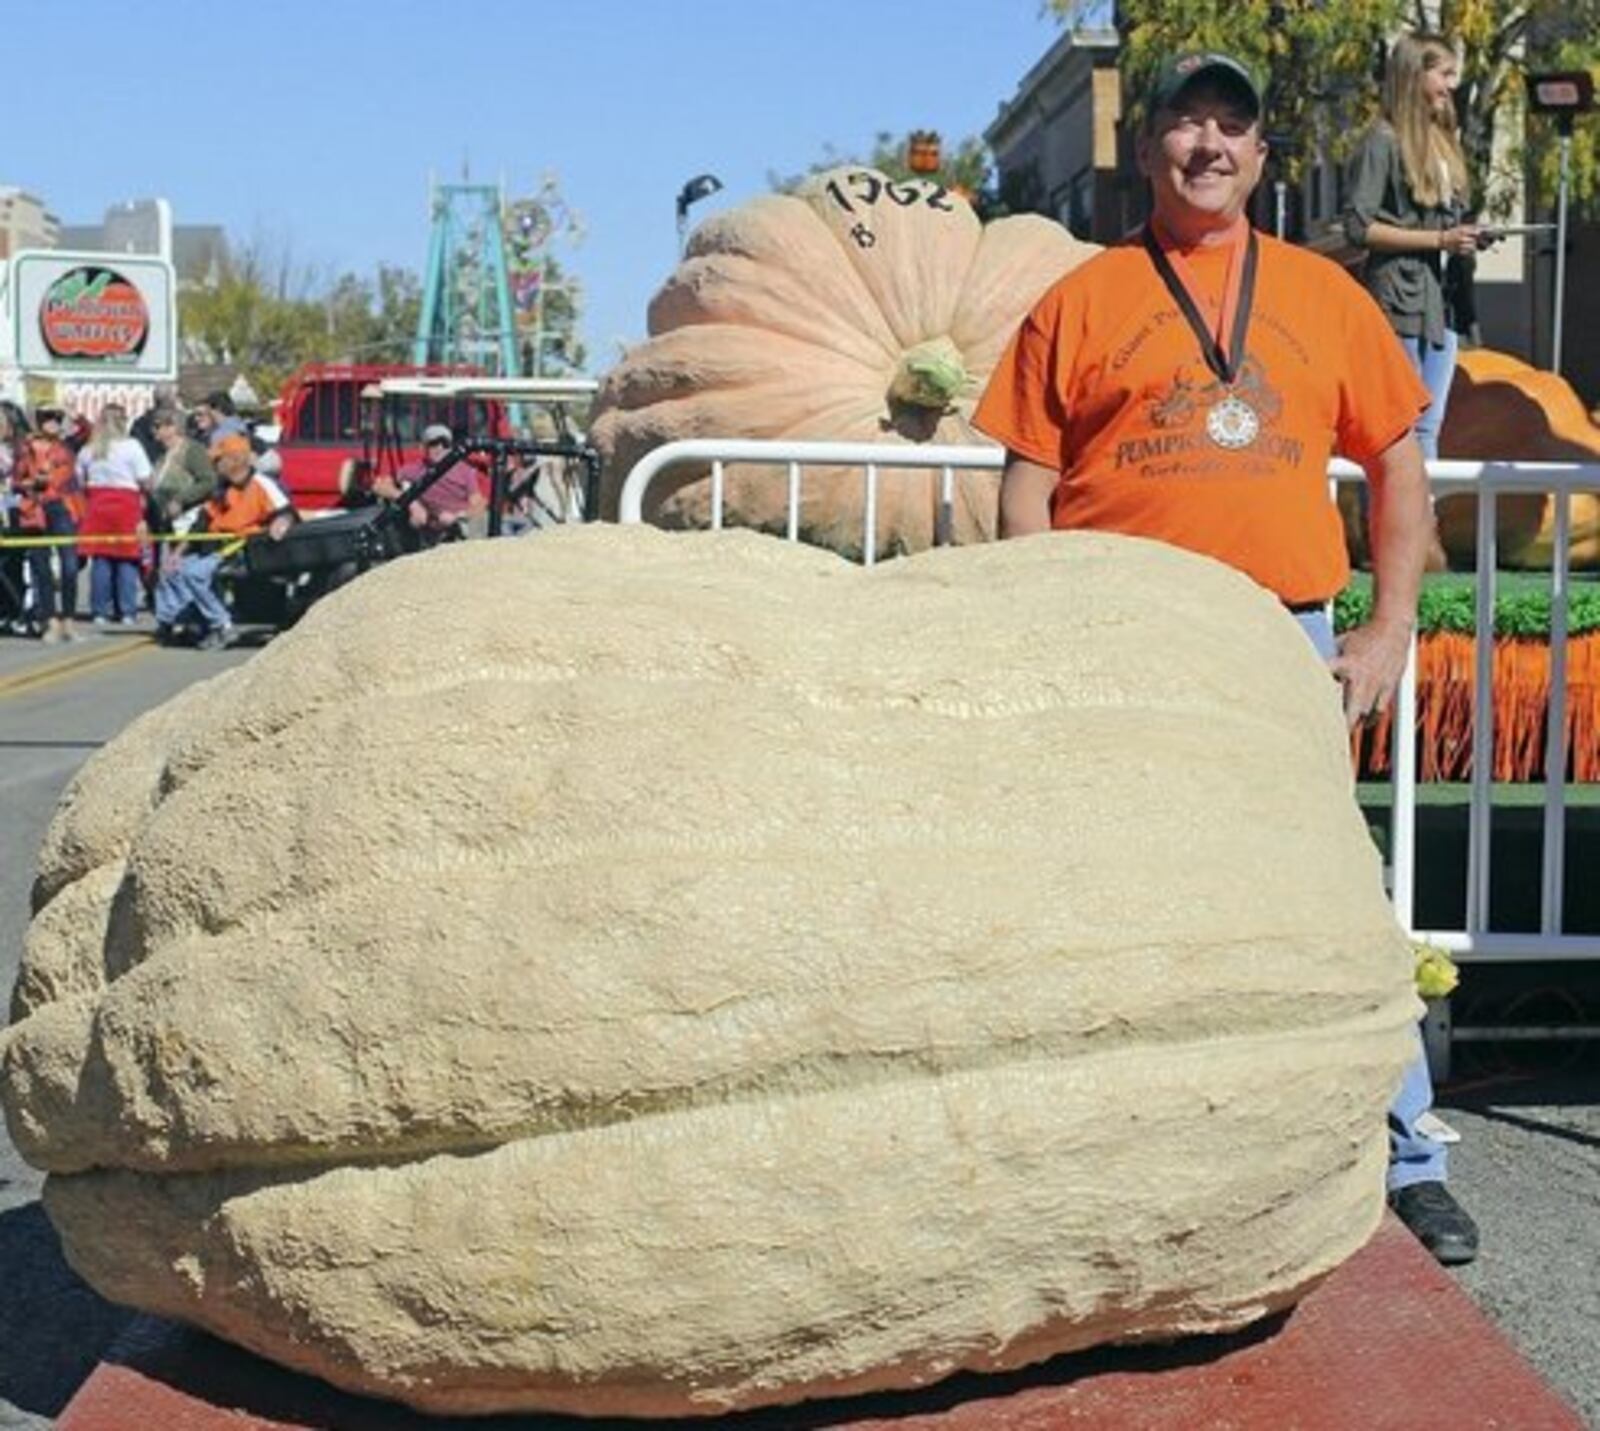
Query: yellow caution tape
(152,539)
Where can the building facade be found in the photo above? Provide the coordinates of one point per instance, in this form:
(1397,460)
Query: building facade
(199,251)
(25,222)
(1057,141)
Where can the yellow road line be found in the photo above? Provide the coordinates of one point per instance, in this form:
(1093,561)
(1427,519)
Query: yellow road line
(74,665)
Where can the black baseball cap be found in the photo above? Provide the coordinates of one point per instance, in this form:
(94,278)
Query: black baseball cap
(1183,70)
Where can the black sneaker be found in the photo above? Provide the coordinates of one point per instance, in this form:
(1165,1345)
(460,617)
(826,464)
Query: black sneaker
(1438,1222)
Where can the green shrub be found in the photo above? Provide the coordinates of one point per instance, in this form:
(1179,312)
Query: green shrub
(1449,602)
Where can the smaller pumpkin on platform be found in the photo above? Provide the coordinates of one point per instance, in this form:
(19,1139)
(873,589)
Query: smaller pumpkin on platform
(857,309)
(1501,409)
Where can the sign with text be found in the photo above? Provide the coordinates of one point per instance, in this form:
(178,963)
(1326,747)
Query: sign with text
(1563,92)
(94,316)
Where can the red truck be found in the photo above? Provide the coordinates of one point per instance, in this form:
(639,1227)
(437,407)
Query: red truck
(336,434)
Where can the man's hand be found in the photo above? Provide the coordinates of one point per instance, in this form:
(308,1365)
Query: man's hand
(278,527)
(1371,660)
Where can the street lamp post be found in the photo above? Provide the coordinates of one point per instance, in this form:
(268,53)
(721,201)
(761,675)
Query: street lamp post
(1281,148)
(1564,96)
(702,186)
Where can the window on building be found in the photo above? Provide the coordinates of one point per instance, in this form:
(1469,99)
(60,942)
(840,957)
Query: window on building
(1072,203)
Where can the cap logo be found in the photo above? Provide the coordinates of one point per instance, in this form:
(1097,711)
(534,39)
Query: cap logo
(1189,64)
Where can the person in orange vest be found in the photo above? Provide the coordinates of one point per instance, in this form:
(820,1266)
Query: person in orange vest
(245,502)
(51,505)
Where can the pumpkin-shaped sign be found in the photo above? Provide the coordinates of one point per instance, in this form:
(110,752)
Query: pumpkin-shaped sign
(857,309)
(94,312)
(770,979)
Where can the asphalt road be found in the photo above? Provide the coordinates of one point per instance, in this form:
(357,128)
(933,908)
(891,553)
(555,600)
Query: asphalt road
(57,706)
(1528,1165)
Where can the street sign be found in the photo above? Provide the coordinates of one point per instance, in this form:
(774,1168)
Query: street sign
(107,317)
(1564,93)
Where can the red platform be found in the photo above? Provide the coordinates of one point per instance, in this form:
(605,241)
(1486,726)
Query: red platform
(1388,1343)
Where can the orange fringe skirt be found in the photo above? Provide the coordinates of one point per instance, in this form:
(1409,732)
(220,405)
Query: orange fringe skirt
(1521,693)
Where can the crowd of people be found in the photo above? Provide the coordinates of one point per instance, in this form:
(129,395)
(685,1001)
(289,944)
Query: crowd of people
(120,495)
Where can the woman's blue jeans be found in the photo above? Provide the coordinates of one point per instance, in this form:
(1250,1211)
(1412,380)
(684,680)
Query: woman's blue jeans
(1436,367)
(52,598)
(120,573)
(1413,1158)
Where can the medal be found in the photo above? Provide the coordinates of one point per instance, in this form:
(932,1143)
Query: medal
(1232,424)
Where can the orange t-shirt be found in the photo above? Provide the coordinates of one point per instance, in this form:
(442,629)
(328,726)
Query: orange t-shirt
(1105,382)
(246,508)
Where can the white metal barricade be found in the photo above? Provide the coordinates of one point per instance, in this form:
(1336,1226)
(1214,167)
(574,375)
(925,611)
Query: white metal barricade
(1473,940)
(869,456)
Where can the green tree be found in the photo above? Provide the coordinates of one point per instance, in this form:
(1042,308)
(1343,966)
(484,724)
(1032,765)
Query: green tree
(1317,57)
(1502,42)
(374,320)
(266,316)
(1323,61)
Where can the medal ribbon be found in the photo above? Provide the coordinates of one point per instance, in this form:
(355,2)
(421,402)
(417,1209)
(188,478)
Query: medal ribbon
(1224,364)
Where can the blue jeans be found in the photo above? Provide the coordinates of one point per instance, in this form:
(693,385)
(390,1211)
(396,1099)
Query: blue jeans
(189,587)
(1436,367)
(50,598)
(1412,1157)
(106,573)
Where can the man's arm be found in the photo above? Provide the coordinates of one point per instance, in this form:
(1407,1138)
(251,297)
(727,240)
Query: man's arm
(1025,489)
(1372,658)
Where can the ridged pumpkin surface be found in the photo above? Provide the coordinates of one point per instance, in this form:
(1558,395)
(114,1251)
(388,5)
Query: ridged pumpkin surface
(755,978)
(807,317)
(1501,408)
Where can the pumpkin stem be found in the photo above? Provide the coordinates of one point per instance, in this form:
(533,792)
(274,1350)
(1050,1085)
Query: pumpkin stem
(931,374)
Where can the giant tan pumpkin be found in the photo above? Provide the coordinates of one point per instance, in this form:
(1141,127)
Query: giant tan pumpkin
(856,310)
(755,979)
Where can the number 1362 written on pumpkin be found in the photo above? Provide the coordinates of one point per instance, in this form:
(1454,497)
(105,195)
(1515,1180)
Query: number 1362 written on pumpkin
(866,189)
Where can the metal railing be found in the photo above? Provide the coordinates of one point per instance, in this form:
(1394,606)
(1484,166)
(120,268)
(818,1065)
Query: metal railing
(870,456)
(1474,940)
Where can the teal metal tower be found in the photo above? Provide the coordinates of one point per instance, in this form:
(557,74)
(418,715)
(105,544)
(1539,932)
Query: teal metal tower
(467,316)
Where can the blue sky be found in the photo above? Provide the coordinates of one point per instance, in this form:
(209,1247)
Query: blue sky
(316,125)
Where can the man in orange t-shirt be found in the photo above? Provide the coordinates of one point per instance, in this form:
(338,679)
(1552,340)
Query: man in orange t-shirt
(1189,386)
(244,502)
(1115,418)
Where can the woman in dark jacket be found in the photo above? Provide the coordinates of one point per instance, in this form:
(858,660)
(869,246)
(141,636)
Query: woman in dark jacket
(1408,198)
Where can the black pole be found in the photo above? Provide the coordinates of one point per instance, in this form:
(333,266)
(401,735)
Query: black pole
(497,490)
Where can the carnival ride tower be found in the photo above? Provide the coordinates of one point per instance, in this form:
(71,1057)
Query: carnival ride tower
(467,316)
(494,296)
